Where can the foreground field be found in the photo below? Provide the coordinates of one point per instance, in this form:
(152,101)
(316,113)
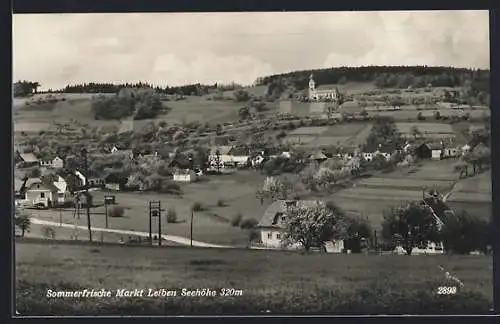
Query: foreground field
(269,281)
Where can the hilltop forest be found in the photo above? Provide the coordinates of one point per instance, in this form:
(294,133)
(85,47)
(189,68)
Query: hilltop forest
(475,82)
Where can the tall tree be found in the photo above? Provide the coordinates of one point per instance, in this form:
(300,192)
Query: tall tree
(312,226)
(410,225)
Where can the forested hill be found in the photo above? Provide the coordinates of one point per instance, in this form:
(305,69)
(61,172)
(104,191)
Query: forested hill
(386,77)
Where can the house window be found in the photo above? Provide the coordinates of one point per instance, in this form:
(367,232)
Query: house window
(278,236)
(42,194)
(270,235)
(61,195)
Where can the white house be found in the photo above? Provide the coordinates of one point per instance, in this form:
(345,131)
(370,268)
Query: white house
(368,156)
(186,175)
(436,151)
(55,163)
(240,156)
(222,159)
(40,192)
(272,224)
(93,181)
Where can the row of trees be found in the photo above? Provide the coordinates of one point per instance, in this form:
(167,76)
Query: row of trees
(410,225)
(25,88)
(189,89)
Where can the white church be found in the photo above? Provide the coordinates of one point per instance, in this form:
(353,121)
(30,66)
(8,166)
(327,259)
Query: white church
(320,95)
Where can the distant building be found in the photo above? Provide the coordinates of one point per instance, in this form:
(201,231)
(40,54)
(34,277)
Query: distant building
(54,163)
(185,175)
(28,160)
(319,95)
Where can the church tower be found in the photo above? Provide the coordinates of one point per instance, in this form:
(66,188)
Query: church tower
(312,86)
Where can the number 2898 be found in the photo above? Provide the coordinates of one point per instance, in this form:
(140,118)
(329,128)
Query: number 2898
(443,290)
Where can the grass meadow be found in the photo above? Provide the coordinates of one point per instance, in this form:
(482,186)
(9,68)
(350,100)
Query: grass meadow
(270,282)
(211,224)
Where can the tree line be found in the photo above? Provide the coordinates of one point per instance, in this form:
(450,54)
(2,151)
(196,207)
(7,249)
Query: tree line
(196,89)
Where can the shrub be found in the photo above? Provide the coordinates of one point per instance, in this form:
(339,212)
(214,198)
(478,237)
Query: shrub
(253,235)
(116,211)
(236,220)
(171,216)
(221,203)
(248,223)
(48,232)
(170,188)
(197,207)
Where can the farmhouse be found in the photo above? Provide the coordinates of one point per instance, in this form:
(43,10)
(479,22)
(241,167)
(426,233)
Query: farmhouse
(185,175)
(114,182)
(240,155)
(55,163)
(272,223)
(93,179)
(41,193)
(318,157)
(219,157)
(28,160)
(318,95)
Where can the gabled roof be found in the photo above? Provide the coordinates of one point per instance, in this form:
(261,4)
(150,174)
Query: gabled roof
(271,215)
(183,172)
(28,157)
(318,156)
(435,146)
(42,185)
(239,151)
(223,149)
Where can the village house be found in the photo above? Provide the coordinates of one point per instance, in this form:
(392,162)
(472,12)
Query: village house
(116,150)
(27,160)
(53,163)
(222,159)
(184,175)
(318,157)
(113,182)
(272,224)
(41,193)
(240,156)
(94,180)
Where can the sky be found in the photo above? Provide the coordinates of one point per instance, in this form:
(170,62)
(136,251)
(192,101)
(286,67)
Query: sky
(187,48)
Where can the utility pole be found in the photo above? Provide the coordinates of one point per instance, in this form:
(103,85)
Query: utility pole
(87,200)
(155,211)
(191,230)
(159,224)
(106,199)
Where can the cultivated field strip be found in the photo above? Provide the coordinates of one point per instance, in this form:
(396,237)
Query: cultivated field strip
(470,197)
(382,194)
(404,183)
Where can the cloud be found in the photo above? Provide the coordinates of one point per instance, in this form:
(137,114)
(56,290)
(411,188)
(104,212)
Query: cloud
(174,48)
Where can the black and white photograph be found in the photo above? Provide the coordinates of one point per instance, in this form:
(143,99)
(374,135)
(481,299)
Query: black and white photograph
(252,163)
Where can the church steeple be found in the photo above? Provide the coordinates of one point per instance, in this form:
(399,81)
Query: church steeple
(312,84)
